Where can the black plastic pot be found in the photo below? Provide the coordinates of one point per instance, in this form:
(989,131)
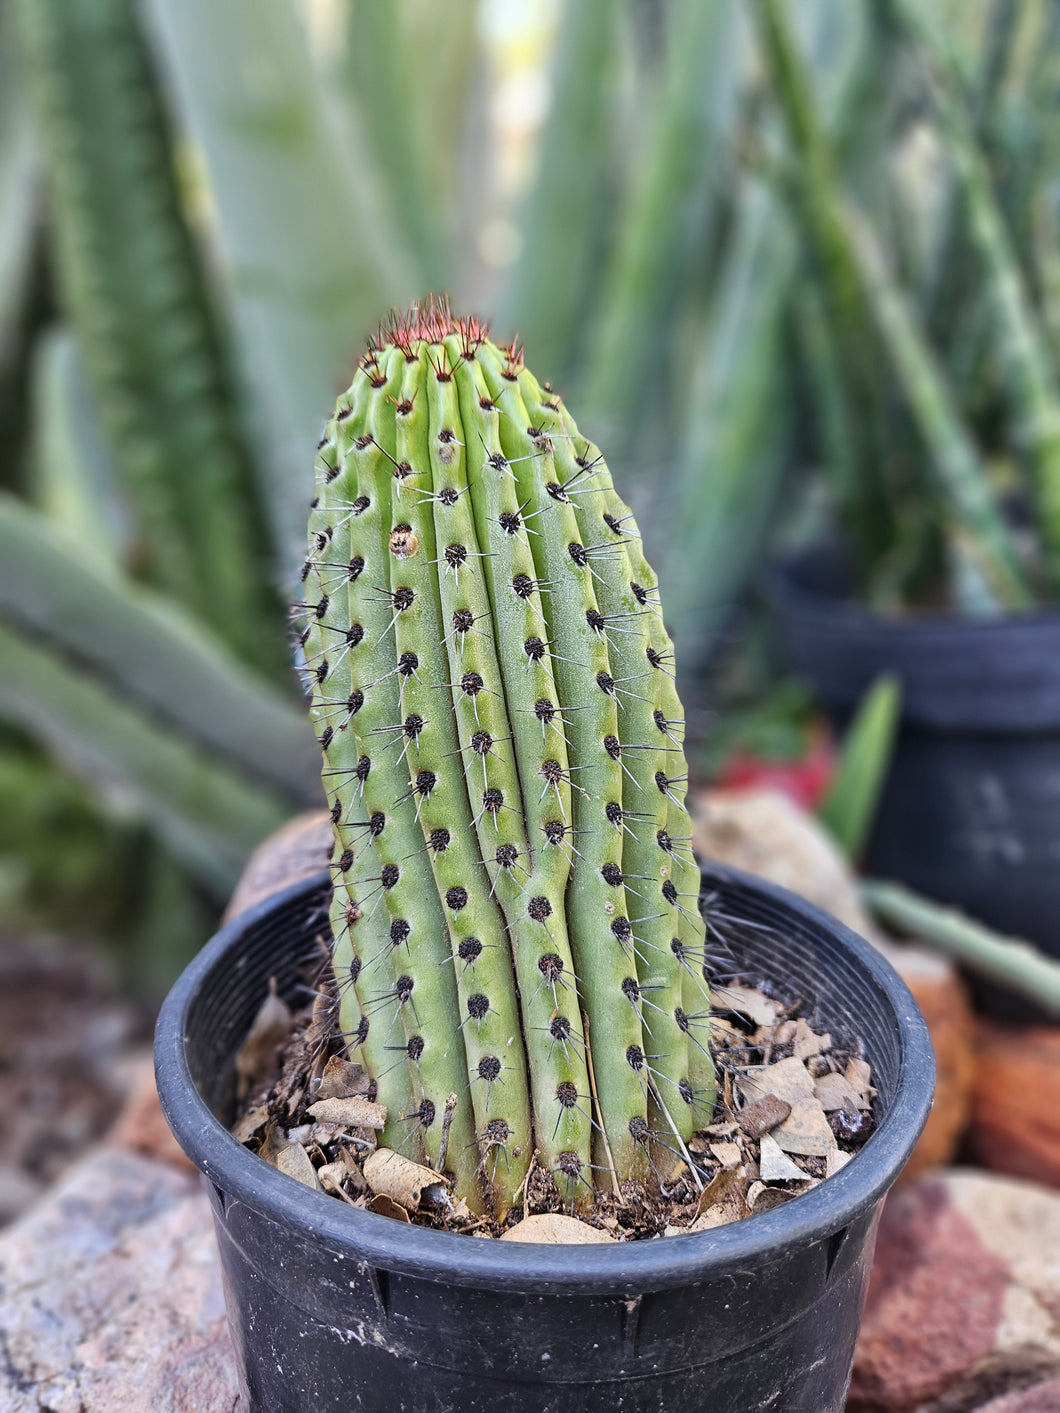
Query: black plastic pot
(333,1308)
(971,812)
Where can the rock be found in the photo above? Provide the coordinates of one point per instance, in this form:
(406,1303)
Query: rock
(298,850)
(763,831)
(1015,1125)
(140,1126)
(65,1047)
(110,1296)
(1041,1398)
(964,1301)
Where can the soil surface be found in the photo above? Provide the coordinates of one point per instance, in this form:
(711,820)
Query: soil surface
(791,1110)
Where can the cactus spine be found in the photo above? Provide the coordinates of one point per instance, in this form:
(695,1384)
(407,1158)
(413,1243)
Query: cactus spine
(515,897)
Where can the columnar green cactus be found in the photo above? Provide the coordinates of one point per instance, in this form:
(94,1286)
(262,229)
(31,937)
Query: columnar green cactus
(518,948)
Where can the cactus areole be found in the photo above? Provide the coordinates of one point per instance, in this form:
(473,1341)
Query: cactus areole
(518,951)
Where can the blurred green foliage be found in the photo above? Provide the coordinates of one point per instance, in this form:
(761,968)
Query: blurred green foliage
(763,248)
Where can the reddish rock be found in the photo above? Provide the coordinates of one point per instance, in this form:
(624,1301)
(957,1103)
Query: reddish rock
(1015,1126)
(964,1301)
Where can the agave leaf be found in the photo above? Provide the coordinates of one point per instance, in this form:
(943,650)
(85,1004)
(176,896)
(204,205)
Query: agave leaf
(674,199)
(150,655)
(19,209)
(136,294)
(407,69)
(736,438)
(73,478)
(562,223)
(210,816)
(850,802)
(300,225)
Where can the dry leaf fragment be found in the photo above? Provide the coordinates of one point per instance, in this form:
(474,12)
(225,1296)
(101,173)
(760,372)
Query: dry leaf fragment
(258,1056)
(389,1174)
(351,1112)
(764,1114)
(775,1165)
(787,1079)
(342,1079)
(273,1143)
(761,1198)
(805,1130)
(721,1130)
(332,1176)
(859,1074)
(249,1123)
(386,1207)
(294,1161)
(834,1091)
(745,1001)
(724,1033)
(727,1154)
(556,1229)
(835,1160)
(719,1215)
(808,1042)
(726,1187)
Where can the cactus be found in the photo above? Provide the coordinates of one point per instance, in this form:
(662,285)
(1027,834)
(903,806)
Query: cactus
(518,951)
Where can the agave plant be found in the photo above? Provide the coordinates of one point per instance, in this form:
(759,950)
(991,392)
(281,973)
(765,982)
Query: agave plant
(518,947)
(928,366)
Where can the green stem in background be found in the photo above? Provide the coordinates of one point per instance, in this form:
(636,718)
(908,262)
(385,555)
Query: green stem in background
(986,568)
(1010,962)
(378,40)
(948,273)
(868,516)
(139,304)
(867,308)
(19,206)
(848,807)
(1029,376)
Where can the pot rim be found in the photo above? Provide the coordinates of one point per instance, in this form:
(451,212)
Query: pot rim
(531,1267)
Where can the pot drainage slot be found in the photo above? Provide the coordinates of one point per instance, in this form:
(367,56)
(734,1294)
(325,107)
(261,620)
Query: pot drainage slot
(630,1324)
(835,1245)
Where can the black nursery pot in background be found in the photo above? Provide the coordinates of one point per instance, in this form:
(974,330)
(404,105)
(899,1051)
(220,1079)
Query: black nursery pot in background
(335,1308)
(970,815)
